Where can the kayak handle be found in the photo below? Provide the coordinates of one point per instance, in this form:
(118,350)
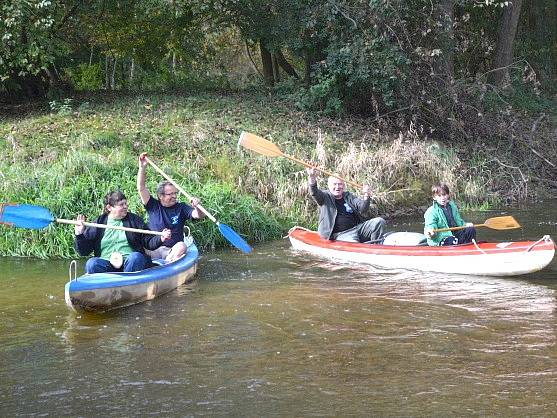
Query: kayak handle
(72,270)
(477,246)
(545,238)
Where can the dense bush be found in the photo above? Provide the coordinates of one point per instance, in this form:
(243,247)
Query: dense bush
(86,77)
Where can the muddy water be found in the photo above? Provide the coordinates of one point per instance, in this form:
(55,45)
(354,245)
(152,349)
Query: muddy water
(284,334)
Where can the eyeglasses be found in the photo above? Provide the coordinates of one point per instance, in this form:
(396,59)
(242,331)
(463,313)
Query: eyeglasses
(171,194)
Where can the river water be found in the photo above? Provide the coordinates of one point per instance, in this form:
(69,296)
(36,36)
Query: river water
(279,333)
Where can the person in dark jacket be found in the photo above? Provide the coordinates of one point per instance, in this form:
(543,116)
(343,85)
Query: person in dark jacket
(341,214)
(113,249)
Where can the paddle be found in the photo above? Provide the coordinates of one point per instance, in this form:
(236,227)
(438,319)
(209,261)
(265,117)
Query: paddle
(265,147)
(37,217)
(499,223)
(227,232)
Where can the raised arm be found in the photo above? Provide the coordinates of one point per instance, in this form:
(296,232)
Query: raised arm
(365,201)
(141,189)
(314,191)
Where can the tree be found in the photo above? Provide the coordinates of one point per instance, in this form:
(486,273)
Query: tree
(28,44)
(504,51)
(272,24)
(445,61)
(537,37)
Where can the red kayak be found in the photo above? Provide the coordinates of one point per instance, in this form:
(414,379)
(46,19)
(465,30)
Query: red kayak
(482,259)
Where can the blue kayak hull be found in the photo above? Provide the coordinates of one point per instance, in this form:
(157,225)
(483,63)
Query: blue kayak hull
(100,292)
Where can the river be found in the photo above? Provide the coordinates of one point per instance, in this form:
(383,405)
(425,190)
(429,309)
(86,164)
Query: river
(279,333)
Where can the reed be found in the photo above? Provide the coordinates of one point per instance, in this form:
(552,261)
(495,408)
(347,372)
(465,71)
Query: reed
(400,173)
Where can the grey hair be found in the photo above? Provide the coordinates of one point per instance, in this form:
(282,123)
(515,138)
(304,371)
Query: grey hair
(161,186)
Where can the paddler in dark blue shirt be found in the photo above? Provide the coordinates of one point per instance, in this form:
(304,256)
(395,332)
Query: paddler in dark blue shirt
(166,212)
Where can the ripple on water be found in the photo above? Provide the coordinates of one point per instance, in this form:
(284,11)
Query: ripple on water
(275,333)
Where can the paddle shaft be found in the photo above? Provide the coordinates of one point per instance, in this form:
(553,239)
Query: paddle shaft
(498,223)
(456,228)
(265,147)
(162,173)
(121,228)
(358,186)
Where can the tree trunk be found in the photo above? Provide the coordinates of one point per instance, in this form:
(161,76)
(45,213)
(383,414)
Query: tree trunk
(276,69)
(132,70)
(53,77)
(444,63)
(504,52)
(123,74)
(308,62)
(112,75)
(285,65)
(267,62)
(107,72)
(252,61)
(536,24)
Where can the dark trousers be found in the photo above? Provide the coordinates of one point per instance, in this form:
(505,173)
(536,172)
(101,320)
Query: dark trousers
(369,230)
(462,236)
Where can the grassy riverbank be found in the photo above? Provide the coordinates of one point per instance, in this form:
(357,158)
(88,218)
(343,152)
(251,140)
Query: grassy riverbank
(67,156)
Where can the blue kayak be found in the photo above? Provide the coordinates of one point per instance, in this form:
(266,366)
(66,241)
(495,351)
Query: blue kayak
(100,292)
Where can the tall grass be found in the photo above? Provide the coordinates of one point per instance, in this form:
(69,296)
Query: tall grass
(76,182)
(400,173)
(67,161)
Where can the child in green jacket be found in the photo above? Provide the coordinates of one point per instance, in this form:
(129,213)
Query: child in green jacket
(444,214)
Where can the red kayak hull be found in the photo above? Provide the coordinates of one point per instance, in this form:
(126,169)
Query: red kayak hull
(486,258)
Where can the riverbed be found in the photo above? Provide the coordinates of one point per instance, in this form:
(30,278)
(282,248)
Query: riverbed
(281,333)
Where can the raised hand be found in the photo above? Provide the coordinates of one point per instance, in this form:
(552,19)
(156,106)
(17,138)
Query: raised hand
(312,173)
(79,228)
(142,160)
(365,191)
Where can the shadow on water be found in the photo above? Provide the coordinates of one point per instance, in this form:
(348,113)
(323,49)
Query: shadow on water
(283,333)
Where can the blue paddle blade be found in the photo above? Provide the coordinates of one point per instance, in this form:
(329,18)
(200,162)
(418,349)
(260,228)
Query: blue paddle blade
(25,216)
(235,239)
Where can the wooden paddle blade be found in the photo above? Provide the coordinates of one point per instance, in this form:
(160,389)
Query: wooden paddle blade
(235,239)
(259,145)
(25,216)
(502,222)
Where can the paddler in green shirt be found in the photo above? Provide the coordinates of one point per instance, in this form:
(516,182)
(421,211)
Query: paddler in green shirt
(444,214)
(125,249)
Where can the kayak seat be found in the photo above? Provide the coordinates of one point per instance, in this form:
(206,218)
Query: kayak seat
(404,239)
